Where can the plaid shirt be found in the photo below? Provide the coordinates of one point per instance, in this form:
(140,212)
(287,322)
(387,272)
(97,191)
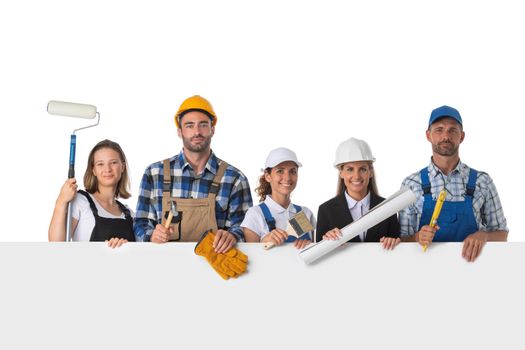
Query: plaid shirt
(231,203)
(486,203)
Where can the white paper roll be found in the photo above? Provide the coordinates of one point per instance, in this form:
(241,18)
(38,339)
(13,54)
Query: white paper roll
(69,109)
(398,201)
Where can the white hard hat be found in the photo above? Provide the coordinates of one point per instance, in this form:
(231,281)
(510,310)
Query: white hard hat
(353,150)
(279,155)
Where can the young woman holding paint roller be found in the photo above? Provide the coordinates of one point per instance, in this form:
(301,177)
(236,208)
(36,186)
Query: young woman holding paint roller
(267,221)
(356,196)
(97,215)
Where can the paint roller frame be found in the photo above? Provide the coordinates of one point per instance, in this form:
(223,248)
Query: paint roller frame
(75,110)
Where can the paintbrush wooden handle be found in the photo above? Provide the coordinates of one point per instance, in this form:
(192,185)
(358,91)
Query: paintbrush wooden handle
(269,245)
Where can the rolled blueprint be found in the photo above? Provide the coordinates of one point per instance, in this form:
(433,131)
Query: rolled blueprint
(398,201)
(69,109)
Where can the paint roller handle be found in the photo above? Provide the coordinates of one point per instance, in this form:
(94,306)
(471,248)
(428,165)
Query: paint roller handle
(72,150)
(70,175)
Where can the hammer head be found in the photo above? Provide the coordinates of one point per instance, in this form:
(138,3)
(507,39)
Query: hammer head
(173,214)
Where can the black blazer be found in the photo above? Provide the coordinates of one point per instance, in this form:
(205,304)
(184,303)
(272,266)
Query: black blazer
(335,213)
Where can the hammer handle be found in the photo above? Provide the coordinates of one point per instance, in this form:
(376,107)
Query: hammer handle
(168,220)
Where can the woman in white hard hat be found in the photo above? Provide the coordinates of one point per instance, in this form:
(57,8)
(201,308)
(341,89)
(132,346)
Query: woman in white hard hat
(356,195)
(268,221)
(97,215)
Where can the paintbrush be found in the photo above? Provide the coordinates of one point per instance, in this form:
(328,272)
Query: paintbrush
(298,226)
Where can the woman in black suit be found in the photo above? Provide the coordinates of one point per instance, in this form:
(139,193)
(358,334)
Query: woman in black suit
(356,195)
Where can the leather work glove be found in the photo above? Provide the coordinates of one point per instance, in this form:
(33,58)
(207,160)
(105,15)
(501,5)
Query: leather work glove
(230,264)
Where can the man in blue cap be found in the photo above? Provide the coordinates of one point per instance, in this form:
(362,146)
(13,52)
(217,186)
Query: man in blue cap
(472,211)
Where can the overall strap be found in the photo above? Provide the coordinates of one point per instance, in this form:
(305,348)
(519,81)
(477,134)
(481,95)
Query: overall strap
(94,209)
(471,185)
(298,208)
(92,205)
(214,187)
(124,209)
(425,183)
(166,189)
(270,221)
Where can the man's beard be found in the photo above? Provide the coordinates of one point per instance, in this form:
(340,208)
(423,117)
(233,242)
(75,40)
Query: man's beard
(201,147)
(445,151)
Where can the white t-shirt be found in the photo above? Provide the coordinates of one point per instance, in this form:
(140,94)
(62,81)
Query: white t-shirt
(81,211)
(254,218)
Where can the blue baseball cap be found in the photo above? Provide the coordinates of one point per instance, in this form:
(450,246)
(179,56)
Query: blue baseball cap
(442,112)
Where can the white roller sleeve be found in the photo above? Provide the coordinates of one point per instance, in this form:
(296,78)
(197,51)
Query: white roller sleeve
(398,201)
(69,109)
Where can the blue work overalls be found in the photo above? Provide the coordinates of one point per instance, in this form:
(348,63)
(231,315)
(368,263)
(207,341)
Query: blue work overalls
(456,220)
(270,221)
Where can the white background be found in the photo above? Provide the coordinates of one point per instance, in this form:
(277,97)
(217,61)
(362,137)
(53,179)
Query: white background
(301,74)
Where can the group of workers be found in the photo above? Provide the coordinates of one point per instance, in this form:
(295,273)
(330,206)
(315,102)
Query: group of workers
(207,195)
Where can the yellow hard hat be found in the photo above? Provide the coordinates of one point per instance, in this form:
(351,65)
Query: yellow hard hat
(197,103)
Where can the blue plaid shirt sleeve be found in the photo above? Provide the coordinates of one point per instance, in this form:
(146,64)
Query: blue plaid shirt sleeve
(240,202)
(146,214)
(490,214)
(410,216)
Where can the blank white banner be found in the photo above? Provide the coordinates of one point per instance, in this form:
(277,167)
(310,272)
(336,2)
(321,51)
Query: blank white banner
(147,296)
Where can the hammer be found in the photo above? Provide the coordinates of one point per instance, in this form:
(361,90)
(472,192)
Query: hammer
(173,212)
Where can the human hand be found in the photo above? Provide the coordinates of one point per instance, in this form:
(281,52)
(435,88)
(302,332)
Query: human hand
(276,237)
(301,243)
(116,242)
(473,244)
(389,243)
(426,235)
(161,234)
(231,264)
(333,235)
(223,241)
(68,191)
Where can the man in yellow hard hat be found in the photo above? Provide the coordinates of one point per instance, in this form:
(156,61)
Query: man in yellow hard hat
(202,191)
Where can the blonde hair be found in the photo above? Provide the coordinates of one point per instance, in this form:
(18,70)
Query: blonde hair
(372,185)
(90,180)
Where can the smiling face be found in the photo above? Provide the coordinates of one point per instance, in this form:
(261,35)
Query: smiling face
(107,167)
(196,131)
(282,179)
(356,177)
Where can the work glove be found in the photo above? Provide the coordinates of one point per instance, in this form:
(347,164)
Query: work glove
(229,264)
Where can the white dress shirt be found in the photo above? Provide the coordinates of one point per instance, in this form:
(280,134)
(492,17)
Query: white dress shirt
(358,209)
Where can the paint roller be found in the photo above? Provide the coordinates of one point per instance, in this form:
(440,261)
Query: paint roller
(75,110)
